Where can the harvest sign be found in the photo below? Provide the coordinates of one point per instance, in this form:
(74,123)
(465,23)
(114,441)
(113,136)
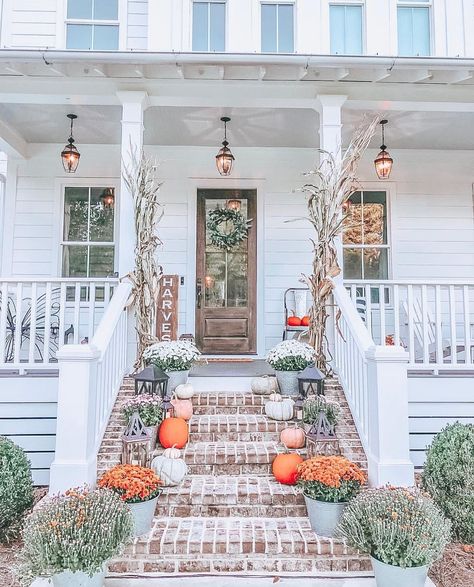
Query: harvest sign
(167,308)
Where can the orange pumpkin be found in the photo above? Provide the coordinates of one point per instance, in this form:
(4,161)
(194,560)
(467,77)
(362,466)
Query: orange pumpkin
(293,437)
(294,321)
(183,408)
(173,432)
(305,321)
(284,468)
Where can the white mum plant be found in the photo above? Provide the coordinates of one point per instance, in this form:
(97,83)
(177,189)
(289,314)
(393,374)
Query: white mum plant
(175,355)
(291,355)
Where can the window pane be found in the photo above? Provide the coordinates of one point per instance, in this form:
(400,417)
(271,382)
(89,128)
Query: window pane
(76,211)
(101,218)
(352,263)
(74,261)
(375,264)
(79,36)
(217,24)
(101,261)
(200,26)
(79,9)
(374,218)
(285,29)
(413,31)
(353,233)
(269,28)
(353,30)
(106,38)
(337,27)
(106,9)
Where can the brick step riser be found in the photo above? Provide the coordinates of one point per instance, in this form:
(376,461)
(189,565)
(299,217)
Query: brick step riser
(227,410)
(234,437)
(244,510)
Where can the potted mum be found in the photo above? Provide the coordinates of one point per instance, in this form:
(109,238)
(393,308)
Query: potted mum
(401,528)
(289,358)
(175,357)
(328,484)
(314,406)
(150,412)
(71,537)
(139,487)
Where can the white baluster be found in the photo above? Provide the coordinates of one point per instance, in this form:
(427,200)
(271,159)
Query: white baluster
(383,331)
(33,314)
(77,310)
(3,320)
(424,311)
(411,333)
(47,323)
(452,324)
(396,314)
(18,321)
(467,325)
(438,326)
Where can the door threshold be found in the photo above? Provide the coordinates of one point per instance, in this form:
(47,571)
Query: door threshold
(231,358)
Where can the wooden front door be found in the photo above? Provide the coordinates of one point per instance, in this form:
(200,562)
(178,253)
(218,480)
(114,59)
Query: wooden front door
(226,281)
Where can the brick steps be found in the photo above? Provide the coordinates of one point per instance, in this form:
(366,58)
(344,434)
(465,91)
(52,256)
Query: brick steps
(269,545)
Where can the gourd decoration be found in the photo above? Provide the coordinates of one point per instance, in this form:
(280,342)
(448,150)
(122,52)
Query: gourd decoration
(278,408)
(264,385)
(293,437)
(184,391)
(284,468)
(173,432)
(294,321)
(183,408)
(305,321)
(169,467)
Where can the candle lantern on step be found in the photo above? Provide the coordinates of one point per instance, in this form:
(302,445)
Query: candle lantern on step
(151,380)
(310,382)
(136,443)
(298,411)
(321,438)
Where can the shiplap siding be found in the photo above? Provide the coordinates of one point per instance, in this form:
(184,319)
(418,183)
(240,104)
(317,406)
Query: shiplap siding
(28,410)
(32,24)
(137,25)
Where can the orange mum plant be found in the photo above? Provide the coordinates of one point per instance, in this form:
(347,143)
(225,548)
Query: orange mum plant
(331,479)
(134,484)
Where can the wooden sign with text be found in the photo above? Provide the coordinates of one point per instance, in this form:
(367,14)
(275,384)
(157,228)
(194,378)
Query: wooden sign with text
(167,308)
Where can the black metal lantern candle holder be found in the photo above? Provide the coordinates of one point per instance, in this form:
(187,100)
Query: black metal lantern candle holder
(298,410)
(151,380)
(310,382)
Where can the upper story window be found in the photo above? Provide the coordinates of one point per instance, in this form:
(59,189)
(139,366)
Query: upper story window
(92,25)
(209,26)
(346,29)
(414,27)
(278,28)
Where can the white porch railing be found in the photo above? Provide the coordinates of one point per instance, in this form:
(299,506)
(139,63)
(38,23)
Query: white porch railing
(433,320)
(374,379)
(38,316)
(89,379)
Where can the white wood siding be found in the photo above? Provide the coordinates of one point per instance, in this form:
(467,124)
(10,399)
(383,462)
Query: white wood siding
(137,25)
(31,23)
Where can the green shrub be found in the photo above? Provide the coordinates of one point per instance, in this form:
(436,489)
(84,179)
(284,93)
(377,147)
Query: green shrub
(449,477)
(16,488)
(77,531)
(397,526)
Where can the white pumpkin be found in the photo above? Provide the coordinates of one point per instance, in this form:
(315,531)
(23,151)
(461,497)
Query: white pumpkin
(184,391)
(169,467)
(279,408)
(263,385)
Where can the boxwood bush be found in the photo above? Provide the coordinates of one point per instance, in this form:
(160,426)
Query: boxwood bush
(449,477)
(16,488)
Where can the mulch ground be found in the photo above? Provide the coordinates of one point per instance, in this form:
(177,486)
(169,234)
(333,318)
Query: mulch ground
(456,568)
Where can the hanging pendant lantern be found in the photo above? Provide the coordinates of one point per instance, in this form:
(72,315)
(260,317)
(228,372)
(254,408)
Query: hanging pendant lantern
(70,155)
(225,159)
(107,197)
(383,162)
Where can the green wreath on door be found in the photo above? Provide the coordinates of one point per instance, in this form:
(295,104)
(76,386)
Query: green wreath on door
(236,228)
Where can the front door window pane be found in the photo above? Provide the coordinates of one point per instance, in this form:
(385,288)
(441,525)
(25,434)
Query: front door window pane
(277,28)
(346,30)
(414,31)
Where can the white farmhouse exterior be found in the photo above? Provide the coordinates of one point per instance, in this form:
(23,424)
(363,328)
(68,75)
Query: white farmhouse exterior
(293,77)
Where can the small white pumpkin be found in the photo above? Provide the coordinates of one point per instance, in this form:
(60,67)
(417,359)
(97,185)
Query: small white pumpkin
(263,385)
(169,467)
(184,391)
(279,408)
(275,397)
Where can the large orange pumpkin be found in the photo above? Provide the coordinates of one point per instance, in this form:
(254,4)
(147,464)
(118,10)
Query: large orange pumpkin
(183,408)
(173,432)
(293,437)
(284,468)
(294,321)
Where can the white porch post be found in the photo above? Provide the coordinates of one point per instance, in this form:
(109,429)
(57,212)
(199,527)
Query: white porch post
(8,217)
(388,430)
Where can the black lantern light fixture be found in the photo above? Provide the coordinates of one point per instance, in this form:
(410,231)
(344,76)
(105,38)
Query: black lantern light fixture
(383,162)
(70,155)
(107,197)
(225,159)
(310,382)
(151,380)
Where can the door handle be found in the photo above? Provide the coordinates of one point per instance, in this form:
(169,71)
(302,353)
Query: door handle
(198,294)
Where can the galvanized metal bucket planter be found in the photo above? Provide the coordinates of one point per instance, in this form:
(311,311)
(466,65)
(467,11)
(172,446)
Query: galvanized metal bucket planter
(324,516)
(143,513)
(176,378)
(288,382)
(78,579)
(392,576)
(153,432)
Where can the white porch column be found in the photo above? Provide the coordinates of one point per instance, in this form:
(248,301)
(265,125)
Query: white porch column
(7,217)
(134,105)
(388,430)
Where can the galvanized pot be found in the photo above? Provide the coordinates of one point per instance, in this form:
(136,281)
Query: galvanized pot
(392,576)
(288,382)
(324,516)
(176,378)
(78,579)
(143,513)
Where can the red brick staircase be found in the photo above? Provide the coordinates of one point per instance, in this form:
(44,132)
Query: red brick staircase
(230,515)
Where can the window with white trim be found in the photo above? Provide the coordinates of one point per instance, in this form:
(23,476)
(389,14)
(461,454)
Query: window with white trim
(88,241)
(277,28)
(414,27)
(92,25)
(209,26)
(365,238)
(346,27)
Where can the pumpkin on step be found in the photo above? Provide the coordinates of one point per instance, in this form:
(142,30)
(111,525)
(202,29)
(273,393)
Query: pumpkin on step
(293,437)
(169,467)
(284,468)
(183,408)
(173,432)
(184,391)
(278,408)
(264,385)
